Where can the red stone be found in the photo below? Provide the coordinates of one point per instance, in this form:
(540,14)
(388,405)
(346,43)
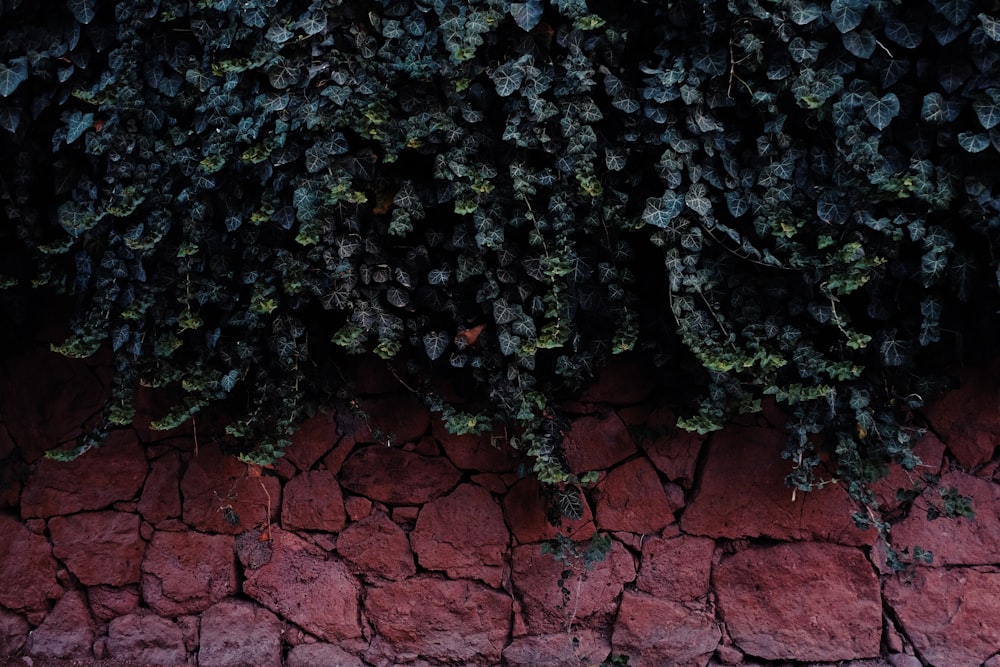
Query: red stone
(185,573)
(930,450)
(802,601)
(593,593)
(577,647)
(957,541)
(597,443)
(357,508)
(321,655)
(392,419)
(67,632)
(307,586)
(161,494)
(27,569)
(99,547)
(376,547)
(107,602)
(146,638)
(966,418)
(672,450)
(312,440)
(676,568)
(527,515)
(742,493)
(623,381)
(420,616)
(952,615)
(631,498)
(236,633)
(313,501)
(464,535)
(393,476)
(95,480)
(222,495)
(651,631)
(473,452)
(13,633)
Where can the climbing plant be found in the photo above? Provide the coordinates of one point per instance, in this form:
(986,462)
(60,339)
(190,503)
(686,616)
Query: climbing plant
(770,198)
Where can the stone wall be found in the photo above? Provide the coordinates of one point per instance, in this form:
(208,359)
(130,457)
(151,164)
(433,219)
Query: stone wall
(160,550)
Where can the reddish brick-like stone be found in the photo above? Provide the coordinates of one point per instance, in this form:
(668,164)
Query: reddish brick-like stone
(312,440)
(652,631)
(67,632)
(473,452)
(99,547)
(527,515)
(27,569)
(377,547)
(313,501)
(672,450)
(396,477)
(107,602)
(579,646)
(631,499)
(146,638)
(221,495)
(966,418)
(322,655)
(161,494)
(185,573)
(464,535)
(803,601)
(393,419)
(13,633)
(308,586)
(236,633)
(95,480)
(597,442)
(419,616)
(676,568)
(623,381)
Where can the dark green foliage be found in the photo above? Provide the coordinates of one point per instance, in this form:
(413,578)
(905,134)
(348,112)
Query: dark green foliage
(785,198)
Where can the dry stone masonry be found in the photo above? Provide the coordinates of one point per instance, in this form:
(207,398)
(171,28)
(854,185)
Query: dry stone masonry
(159,549)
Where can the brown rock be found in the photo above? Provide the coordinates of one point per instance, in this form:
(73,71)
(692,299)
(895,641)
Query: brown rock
(473,452)
(322,655)
(464,535)
(631,498)
(952,616)
(742,493)
(593,593)
(99,547)
(108,602)
(146,638)
(27,569)
(253,548)
(357,507)
(67,632)
(390,475)
(95,480)
(597,443)
(526,511)
(377,546)
(236,633)
(313,439)
(313,501)
(185,573)
(161,495)
(580,646)
(966,418)
(652,631)
(420,615)
(221,495)
(672,450)
(393,419)
(802,601)
(676,568)
(623,381)
(958,541)
(307,586)
(13,633)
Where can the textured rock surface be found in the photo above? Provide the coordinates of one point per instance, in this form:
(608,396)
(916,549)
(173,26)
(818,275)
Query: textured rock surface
(631,499)
(13,632)
(313,501)
(652,631)
(185,573)
(99,547)
(321,655)
(597,442)
(582,646)
(952,616)
(221,496)
(109,602)
(377,546)
(672,450)
(420,615)
(309,587)
(526,511)
(393,476)
(966,418)
(236,633)
(146,638)
(676,568)
(67,632)
(473,452)
(161,494)
(397,418)
(464,535)
(804,601)
(27,569)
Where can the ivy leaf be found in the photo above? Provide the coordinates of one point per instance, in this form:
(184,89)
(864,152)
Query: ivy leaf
(283,74)
(697,199)
(991,26)
(660,211)
(508,77)
(987,111)
(527,15)
(893,351)
(435,343)
(907,35)
(737,202)
(881,111)
(860,43)
(503,312)
(847,14)
(312,23)
(397,297)
(228,381)
(12,75)
(804,13)
(10,118)
(570,503)
(508,342)
(83,10)
(973,142)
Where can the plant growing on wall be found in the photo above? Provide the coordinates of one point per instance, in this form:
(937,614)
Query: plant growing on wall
(769,198)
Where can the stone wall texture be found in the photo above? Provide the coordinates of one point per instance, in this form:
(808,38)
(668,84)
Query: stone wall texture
(158,550)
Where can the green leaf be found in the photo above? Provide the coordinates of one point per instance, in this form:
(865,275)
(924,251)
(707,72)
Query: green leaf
(697,199)
(991,26)
(508,77)
(435,343)
(973,142)
(76,124)
(12,75)
(527,15)
(881,111)
(804,13)
(660,211)
(83,10)
(847,14)
(907,35)
(987,110)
